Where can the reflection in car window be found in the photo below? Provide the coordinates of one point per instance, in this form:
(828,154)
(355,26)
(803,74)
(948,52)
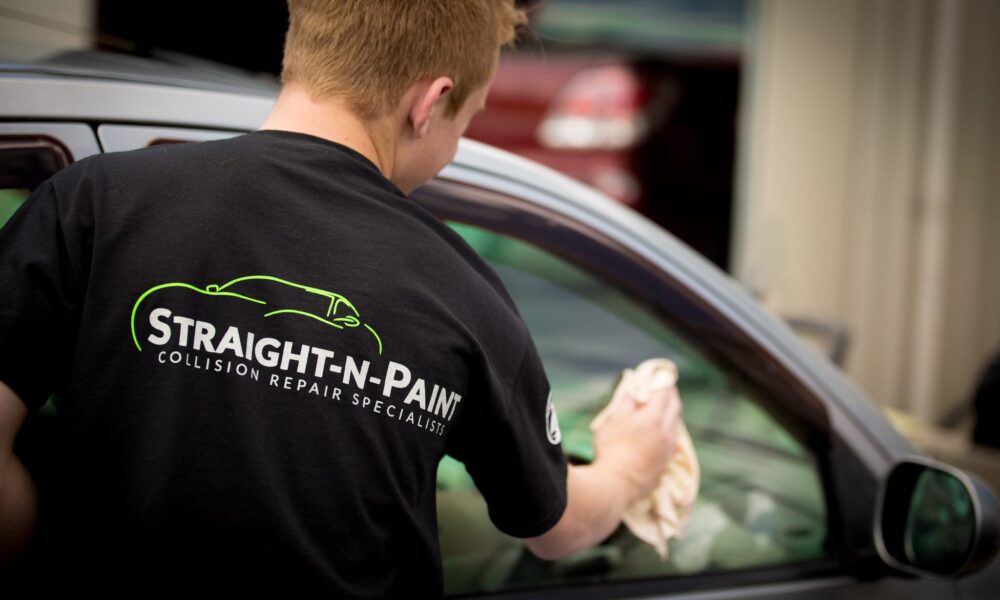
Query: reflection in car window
(761,500)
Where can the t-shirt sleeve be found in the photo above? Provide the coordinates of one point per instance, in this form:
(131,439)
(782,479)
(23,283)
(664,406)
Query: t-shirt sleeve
(510,445)
(37,313)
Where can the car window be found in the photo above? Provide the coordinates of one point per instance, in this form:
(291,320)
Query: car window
(10,200)
(761,500)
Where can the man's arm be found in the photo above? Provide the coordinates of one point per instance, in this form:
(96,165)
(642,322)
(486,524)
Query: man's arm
(632,449)
(18,497)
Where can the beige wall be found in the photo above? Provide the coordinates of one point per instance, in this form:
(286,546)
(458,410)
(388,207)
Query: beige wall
(972,248)
(31,28)
(869,164)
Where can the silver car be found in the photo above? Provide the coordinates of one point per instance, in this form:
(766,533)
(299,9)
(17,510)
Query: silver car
(806,490)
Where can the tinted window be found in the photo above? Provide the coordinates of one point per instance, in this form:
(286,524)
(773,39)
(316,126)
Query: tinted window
(761,500)
(10,200)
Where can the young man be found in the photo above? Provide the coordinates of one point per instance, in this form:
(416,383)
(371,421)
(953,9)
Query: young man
(264,348)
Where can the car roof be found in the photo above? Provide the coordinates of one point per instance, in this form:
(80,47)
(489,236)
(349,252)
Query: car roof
(69,93)
(167,68)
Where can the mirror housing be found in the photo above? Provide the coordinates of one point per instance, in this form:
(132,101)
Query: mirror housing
(935,520)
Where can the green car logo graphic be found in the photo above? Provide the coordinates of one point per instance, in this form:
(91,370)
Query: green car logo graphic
(334,310)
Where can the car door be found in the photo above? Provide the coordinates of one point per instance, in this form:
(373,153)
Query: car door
(770,520)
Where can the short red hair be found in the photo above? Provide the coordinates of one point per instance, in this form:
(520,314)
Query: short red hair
(370,51)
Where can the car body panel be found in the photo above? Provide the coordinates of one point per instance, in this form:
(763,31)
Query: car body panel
(29,96)
(115,138)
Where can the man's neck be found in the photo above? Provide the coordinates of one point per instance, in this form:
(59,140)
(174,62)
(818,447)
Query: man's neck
(329,119)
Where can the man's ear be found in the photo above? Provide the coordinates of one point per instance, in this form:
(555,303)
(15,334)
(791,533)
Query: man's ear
(422,107)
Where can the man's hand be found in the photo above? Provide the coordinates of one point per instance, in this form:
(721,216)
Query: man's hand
(637,440)
(632,446)
(18,497)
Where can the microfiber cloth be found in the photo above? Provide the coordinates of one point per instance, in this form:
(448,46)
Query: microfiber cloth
(663,514)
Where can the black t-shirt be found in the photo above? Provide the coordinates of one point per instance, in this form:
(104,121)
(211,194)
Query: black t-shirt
(262,349)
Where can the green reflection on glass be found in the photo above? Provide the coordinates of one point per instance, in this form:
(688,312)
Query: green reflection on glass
(761,499)
(10,201)
(940,523)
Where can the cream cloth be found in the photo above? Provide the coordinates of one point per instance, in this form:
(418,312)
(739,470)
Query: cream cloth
(663,514)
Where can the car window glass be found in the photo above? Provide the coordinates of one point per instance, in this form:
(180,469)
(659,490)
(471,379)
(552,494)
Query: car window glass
(10,200)
(761,500)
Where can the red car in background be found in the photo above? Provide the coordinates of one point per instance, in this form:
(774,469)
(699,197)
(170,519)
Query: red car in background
(637,98)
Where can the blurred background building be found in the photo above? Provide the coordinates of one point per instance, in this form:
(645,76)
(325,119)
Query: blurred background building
(868,186)
(839,157)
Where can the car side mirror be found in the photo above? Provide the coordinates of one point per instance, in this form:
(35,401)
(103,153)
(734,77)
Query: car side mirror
(933,519)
